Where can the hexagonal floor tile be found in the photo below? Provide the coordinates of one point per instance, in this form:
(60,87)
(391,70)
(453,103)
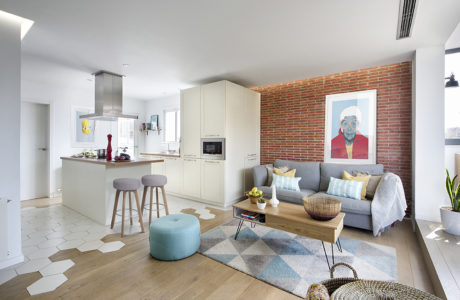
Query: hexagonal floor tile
(33,241)
(50,243)
(46,284)
(58,267)
(43,253)
(58,234)
(33,265)
(75,235)
(91,245)
(70,244)
(6,275)
(110,247)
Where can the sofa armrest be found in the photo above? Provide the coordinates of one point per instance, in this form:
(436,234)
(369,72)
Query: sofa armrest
(260,175)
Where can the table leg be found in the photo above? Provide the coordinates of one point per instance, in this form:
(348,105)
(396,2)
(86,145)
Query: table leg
(239,228)
(339,246)
(325,254)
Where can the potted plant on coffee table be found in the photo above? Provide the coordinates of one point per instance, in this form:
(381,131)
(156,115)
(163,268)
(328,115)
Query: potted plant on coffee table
(450,215)
(261,203)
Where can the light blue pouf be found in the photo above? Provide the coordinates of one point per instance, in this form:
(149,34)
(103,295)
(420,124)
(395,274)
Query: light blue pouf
(174,237)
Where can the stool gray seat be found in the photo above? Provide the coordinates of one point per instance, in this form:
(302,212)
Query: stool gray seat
(126,185)
(154,181)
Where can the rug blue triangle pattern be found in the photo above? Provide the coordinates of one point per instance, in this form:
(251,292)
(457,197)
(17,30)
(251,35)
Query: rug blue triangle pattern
(292,262)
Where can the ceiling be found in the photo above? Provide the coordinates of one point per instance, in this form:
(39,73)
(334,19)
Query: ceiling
(176,44)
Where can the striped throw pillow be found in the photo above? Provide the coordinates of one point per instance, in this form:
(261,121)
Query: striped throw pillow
(345,188)
(286,183)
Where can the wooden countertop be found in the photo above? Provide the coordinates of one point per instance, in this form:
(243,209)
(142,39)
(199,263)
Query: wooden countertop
(160,154)
(132,162)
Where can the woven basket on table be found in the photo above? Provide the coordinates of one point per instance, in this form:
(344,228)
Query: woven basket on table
(384,290)
(334,283)
(321,207)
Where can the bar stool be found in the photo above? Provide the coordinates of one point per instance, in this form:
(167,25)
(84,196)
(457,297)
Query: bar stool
(154,181)
(126,185)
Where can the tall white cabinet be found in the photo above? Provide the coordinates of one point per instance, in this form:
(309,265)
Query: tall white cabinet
(217,110)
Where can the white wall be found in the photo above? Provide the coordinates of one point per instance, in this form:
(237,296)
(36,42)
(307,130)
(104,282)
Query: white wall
(73,90)
(428,133)
(153,141)
(10,115)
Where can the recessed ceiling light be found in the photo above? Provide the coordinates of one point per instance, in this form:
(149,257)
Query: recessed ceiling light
(26,24)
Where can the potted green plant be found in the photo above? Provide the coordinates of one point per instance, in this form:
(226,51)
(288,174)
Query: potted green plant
(450,215)
(261,203)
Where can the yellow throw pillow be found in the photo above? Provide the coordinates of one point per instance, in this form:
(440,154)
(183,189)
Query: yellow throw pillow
(365,179)
(287,174)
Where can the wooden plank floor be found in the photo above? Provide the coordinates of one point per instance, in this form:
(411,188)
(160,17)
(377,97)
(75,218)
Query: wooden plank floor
(131,273)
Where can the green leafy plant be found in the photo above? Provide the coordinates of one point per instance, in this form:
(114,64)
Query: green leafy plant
(453,191)
(261,200)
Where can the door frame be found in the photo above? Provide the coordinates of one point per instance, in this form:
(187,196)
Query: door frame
(51,149)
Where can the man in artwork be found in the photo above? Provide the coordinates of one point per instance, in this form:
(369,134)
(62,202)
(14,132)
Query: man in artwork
(350,143)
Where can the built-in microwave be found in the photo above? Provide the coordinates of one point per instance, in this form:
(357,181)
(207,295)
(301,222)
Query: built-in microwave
(213,149)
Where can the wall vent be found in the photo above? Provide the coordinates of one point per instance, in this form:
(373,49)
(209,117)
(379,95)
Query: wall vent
(406,18)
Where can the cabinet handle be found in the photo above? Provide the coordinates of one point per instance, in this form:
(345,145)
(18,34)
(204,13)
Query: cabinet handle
(252,158)
(211,135)
(212,161)
(185,159)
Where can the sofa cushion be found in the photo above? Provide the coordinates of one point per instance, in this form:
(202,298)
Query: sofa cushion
(308,171)
(345,188)
(329,170)
(286,183)
(362,207)
(286,195)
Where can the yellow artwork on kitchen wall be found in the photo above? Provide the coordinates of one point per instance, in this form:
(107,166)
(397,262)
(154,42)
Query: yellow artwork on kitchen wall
(83,130)
(85,127)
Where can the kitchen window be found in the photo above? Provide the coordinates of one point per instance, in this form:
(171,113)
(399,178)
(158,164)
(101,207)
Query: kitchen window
(126,135)
(452,99)
(172,126)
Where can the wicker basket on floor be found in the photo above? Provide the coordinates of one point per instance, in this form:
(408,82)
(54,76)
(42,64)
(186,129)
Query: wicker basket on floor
(334,283)
(321,207)
(384,290)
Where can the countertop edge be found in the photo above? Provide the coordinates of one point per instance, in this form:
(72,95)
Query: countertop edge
(113,163)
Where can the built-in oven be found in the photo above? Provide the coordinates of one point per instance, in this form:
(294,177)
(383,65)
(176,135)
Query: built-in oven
(213,149)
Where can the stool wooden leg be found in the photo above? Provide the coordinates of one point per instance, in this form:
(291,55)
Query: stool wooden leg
(130,209)
(139,208)
(123,214)
(151,205)
(115,206)
(164,200)
(158,203)
(143,198)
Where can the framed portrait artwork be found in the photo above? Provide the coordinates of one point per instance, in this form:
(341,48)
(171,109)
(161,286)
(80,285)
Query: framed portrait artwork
(154,122)
(82,129)
(351,128)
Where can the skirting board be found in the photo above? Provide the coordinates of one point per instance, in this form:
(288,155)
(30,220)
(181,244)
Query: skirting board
(11,261)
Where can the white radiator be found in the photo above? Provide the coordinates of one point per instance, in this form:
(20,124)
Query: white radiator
(3,228)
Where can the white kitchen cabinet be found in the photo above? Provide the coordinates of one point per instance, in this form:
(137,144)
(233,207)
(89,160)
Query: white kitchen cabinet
(213,99)
(252,115)
(249,163)
(212,181)
(158,168)
(190,122)
(174,173)
(192,177)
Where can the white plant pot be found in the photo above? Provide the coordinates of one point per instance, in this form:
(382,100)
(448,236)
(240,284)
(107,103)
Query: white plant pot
(261,205)
(450,220)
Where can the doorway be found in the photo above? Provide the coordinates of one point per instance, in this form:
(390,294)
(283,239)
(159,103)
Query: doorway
(34,150)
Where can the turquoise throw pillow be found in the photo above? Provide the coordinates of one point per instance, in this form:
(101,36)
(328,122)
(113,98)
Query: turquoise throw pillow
(345,188)
(286,183)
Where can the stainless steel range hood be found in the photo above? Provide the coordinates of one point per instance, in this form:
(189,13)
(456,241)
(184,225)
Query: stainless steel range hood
(108,98)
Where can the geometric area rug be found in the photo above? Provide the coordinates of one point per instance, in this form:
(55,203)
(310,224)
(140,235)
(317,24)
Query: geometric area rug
(292,262)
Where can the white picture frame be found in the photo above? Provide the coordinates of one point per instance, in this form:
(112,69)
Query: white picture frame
(347,113)
(80,140)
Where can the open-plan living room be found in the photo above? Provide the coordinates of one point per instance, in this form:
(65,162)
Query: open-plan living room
(230,149)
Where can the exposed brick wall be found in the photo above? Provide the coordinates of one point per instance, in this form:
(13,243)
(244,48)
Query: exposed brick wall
(293,116)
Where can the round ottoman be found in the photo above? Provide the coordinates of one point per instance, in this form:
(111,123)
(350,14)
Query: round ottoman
(174,237)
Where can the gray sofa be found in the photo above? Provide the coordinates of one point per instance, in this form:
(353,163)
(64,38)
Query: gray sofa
(315,180)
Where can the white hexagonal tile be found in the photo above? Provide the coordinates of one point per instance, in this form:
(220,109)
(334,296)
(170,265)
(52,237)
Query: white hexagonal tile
(57,267)
(75,235)
(41,233)
(91,245)
(97,228)
(70,244)
(46,284)
(79,228)
(6,275)
(33,265)
(33,241)
(94,236)
(110,247)
(50,243)
(29,250)
(58,234)
(43,253)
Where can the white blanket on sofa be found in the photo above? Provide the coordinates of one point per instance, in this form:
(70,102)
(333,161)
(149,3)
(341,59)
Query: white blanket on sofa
(389,203)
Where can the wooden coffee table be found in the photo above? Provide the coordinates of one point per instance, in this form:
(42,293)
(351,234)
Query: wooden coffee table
(293,218)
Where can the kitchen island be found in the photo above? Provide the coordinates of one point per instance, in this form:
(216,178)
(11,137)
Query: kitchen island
(87,184)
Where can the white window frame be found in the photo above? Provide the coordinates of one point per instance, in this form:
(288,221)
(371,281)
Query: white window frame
(177,121)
